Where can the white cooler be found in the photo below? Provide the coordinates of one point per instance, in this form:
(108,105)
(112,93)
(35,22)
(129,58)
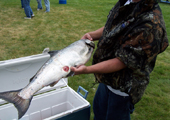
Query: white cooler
(50,103)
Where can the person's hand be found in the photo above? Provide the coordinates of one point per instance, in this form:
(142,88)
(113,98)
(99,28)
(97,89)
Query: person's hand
(87,36)
(79,70)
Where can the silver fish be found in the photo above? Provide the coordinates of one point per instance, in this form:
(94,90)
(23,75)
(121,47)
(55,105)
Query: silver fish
(57,67)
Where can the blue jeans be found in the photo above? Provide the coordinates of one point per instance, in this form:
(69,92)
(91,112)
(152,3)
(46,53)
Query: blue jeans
(47,5)
(27,8)
(22,5)
(109,106)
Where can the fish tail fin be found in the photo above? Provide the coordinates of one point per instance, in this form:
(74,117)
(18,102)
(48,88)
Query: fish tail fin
(21,104)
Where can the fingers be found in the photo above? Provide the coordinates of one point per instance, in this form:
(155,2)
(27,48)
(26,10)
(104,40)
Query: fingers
(72,69)
(87,36)
(78,70)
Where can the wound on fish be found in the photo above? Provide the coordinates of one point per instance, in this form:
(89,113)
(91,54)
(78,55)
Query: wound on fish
(66,68)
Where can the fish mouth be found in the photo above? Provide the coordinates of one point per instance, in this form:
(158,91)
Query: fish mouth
(90,43)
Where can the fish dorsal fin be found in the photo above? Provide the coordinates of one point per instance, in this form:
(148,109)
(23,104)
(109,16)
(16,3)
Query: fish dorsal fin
(52,53)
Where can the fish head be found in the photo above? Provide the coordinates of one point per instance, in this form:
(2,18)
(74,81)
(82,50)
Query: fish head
(86,49)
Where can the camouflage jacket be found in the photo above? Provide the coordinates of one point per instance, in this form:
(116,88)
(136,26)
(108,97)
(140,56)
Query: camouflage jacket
(135,34)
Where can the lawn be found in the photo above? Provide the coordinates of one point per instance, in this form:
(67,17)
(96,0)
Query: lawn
(66,23)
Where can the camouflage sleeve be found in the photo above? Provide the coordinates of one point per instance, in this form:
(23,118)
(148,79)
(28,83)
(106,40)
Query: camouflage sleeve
(141,47)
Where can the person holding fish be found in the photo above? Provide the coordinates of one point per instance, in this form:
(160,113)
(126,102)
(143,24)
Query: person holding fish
(128,45)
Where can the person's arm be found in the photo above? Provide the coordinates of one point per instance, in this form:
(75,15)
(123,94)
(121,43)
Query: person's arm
(94,35)
(107,66)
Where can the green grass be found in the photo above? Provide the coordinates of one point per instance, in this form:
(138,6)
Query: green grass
(67,23)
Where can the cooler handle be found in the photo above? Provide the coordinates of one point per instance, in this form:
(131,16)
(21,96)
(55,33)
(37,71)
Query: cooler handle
(86,92)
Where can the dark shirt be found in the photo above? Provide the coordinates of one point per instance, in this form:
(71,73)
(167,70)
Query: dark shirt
(135,34)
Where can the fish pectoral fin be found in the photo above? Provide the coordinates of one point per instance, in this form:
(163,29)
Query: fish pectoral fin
(32,78)
(70,74)
(54,83)
(52,53)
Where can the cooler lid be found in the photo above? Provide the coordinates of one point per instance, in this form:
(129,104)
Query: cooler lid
(16,73)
